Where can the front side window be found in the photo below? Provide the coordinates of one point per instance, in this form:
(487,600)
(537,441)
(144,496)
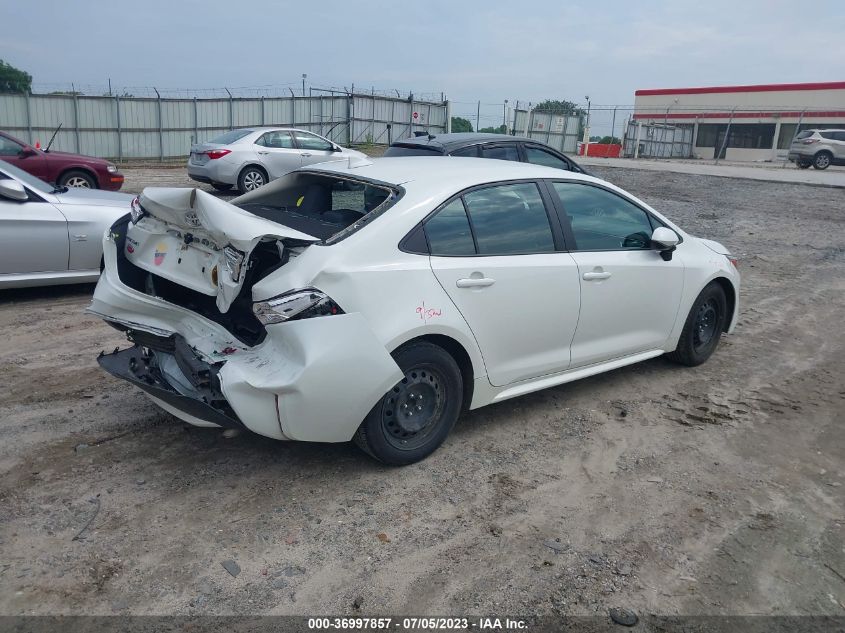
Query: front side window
(539,156)
(501,152)
(470,152)
(276,140)
(310,141)
(8,147)
(509,219)
(448,232)
(602,220)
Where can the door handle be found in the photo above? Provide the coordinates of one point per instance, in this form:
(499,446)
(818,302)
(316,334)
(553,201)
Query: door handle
(262,153)
(305,154)
(475,282)
(596,276)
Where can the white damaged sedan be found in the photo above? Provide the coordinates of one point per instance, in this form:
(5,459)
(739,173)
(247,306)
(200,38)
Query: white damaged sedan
(375,300)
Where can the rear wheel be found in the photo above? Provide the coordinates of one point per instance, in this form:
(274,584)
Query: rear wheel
(822,160)
(251,178)
(76,178)
(703,327)
(221,186)
(415,416)
(803,164)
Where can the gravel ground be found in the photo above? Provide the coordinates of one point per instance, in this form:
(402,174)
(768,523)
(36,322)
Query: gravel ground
(714,490)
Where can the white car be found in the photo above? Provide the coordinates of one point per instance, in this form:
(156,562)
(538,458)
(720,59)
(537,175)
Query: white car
(52,235)
(249,158)
(375,300)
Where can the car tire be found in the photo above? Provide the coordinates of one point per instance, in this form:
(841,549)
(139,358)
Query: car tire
(822,160)
(77,178)
(703,327)
(221,186)
(251,178)
(432,389)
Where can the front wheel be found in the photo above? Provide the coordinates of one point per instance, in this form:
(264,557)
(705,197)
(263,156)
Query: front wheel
(703,327)
(78,179)
(415,416)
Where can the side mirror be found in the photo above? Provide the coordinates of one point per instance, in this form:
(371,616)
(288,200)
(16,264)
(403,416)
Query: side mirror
(665,240)
(336,148)
(13,190)
(26,152)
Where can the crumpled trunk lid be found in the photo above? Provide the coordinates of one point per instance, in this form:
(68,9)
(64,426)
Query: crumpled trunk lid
(196,240)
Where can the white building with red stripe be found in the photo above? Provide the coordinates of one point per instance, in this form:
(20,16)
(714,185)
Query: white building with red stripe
(759,121)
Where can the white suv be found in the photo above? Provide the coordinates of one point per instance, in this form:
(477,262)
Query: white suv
(819,148)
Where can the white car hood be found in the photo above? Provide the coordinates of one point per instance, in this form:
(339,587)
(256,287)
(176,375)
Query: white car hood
(95,197)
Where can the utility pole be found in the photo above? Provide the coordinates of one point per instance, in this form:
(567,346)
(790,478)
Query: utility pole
(505,116)
(304,77)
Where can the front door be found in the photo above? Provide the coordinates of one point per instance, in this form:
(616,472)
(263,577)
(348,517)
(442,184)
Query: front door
(630,296)
(277,152)
(33,237)
(23,157)
(313,148)
(494,253)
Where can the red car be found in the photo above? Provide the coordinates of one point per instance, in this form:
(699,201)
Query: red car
(62,168)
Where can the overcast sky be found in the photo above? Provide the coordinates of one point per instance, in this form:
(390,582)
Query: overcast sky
(491,50)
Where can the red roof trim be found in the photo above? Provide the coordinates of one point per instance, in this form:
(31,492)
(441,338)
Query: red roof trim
(657,116)
(830,85)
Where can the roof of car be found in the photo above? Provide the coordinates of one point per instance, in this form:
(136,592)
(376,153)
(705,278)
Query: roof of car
(458,139)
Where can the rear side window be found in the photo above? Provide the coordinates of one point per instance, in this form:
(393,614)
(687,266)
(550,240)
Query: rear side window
(805,134)
(501,152)
(276,140)
(448,232)
(509,219)
(230,137)
(412,150)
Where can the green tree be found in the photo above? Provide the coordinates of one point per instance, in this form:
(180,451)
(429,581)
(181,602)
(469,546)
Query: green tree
(612,140)
(494,130)
(553,105)
(460,124)
(14,79)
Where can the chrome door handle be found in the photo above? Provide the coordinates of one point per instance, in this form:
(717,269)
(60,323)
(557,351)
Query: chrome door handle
(475,282)
(305,154)
(262,153)
(596,276)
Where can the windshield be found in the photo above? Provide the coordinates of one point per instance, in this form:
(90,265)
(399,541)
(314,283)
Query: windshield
(27,179)
(230,137)
(325,206)
(413,150)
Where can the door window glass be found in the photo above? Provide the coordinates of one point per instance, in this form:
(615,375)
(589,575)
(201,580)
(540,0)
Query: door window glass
(509,219)
(501,152)
(276,140)
(471,151)
(602,220)
(9,147)
(448,232)
(310,141)
(542,157)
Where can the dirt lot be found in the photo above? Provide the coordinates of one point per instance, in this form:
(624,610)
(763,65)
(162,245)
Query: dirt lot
(715,490)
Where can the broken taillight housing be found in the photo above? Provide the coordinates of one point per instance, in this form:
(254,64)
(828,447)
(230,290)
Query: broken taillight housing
(234,260)
(136,211)
(214,154)
(297,304)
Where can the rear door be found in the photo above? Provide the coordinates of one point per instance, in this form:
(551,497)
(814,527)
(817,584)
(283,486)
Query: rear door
(630,296)
(312,148)
(498,254)
(540,156)
(501,151)
(33,236)
(278,153)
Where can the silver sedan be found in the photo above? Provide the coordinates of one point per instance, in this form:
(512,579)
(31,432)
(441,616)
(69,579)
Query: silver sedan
(250,157)
(49,235)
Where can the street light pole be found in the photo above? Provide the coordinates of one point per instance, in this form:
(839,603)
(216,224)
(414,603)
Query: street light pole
(587,129)
(304,77)
(505,116)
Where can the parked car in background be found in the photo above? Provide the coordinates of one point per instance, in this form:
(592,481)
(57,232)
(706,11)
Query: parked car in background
(51,235)
(478,145)
(377,300)
(819,148)
(251,157)
(62,168)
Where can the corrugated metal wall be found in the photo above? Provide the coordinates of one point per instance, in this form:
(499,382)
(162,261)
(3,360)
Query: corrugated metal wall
(560,130)
(139,127)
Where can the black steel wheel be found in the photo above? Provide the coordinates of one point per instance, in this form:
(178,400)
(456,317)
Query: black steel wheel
(703,328)
(415,416)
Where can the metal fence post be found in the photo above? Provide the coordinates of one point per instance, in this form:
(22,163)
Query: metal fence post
(196,122)
(478,117)
(160,131)
(232,110)
(727,134)
(76,121)
(28,118)
(613,126)
(263,115)
(411,115)
(119,134)
(448,117)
